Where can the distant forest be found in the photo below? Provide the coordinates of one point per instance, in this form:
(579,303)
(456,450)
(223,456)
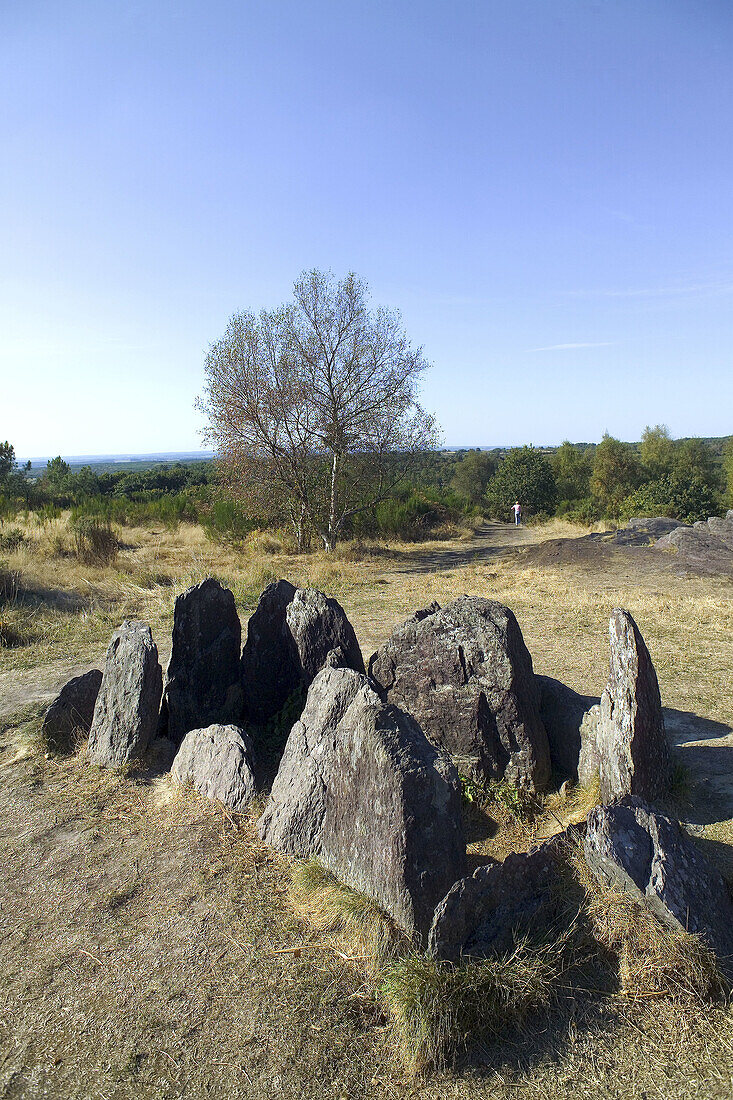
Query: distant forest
(687,479)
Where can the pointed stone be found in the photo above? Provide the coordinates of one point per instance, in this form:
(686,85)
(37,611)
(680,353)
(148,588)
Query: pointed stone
(126,711)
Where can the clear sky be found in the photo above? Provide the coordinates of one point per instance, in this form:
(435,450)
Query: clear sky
(544,188)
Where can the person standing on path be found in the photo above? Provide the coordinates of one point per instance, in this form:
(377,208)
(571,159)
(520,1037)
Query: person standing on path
(517,509)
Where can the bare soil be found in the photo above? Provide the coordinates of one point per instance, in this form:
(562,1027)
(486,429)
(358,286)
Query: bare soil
(147,947)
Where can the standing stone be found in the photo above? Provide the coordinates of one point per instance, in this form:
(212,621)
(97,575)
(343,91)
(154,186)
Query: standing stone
(589,761)
(219,763)
(564,715)
(641,851)
(70,715)
(466,675)
(202,680)
(632,747)
(486,913)
(361,789)
(126,712)
(292,635)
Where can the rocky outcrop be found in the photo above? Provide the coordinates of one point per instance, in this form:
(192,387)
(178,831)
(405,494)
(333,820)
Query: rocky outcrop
(361,789)
(631,745)
(202,680)
(704,547)
(568,718)
(646,854)
(218,762)
(466,675)
(293,634)
(126,712)
(488,912)
(69,718)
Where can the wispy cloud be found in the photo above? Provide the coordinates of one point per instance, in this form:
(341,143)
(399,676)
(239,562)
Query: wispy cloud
(675,291)
(572,347)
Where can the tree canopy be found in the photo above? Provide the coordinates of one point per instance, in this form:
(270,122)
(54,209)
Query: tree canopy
(525,475)
(313,406)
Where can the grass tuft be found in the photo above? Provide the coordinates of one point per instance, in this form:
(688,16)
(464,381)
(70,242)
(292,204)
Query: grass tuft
(438,1010)
(653,960)
(330,906)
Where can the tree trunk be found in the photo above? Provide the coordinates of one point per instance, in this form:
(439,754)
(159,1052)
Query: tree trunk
(329,539)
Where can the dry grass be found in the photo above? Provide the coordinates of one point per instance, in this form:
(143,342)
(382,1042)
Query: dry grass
(653,960)
(365,930)
(215,963)
(438,1010)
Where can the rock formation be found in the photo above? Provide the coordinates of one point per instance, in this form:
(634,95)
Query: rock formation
(632,846)
(219,763)
(486,913)
(70,715)
(202,680)
(361,789)
(466,675)
(292,635)
(568,718)
(126,711)
(630,743)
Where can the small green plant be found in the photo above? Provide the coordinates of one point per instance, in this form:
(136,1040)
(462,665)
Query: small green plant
(499,792)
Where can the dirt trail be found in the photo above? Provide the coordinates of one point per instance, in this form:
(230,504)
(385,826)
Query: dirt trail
(490,541)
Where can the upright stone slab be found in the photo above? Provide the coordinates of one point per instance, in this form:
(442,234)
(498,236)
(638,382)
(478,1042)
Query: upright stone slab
(361,789)
(565,715)
(292,635)
(466,675)
(202,680)
(641,851)
(126,711)
(218,762)
(486,913)
(632,748)
(70,714)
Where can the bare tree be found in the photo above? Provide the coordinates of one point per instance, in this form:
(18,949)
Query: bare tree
(314,404)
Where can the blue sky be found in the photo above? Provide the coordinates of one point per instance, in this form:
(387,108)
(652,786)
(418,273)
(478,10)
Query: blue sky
(544,188)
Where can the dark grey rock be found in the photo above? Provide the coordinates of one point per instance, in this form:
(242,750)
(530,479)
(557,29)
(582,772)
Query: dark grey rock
(631,744)
(648,855)
(70,715)
(292,635)
(705,548)
(488,912)
(126,711)
(219,763)
(202,680)
(564,714)
(361,789)
(466,675)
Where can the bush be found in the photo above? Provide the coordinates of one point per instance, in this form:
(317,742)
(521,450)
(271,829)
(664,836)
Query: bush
(12,540)
(95,543)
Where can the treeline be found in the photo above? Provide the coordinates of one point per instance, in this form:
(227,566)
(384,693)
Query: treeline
(192,492)
(685,479)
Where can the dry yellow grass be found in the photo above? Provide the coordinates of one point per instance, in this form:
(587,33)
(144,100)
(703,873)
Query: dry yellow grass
(178,874)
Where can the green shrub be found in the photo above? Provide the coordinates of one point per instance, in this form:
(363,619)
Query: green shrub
(95,543)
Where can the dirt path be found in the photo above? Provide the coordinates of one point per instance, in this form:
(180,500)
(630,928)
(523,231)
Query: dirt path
(490,541)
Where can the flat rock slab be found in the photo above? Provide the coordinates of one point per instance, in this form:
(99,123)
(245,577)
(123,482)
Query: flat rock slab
(648,855)
(567,718)
(466,675)
(202,679)
(126,712)
(703,548)
(292,635)
(219,763)
(70,715)
(632,748)
(361,789)
(487,913)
